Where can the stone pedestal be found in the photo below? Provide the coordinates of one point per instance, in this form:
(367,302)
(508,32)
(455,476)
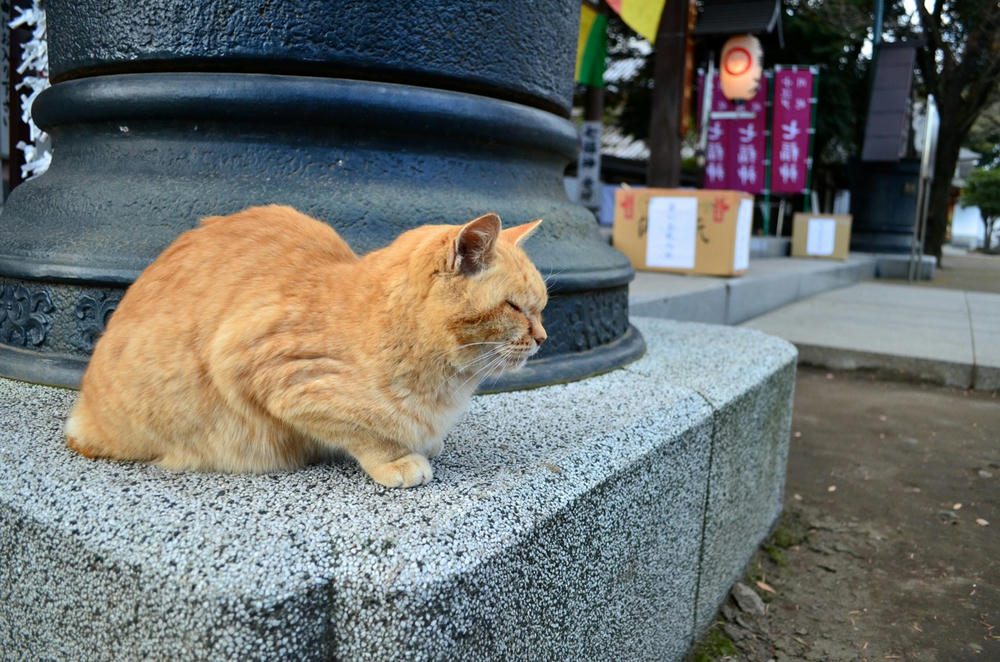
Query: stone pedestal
(603,519)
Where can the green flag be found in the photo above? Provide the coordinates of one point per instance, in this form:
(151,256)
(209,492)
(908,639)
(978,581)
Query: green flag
(592,47)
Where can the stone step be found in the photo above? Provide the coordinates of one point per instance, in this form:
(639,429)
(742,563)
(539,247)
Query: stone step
(602,519)
(769,284)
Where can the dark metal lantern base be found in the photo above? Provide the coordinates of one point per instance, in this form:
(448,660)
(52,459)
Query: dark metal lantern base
(47,331)
(139,158)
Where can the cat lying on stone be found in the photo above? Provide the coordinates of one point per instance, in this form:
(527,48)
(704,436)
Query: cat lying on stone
(260,342)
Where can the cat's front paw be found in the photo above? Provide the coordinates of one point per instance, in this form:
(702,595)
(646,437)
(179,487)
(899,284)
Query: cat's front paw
(408,471)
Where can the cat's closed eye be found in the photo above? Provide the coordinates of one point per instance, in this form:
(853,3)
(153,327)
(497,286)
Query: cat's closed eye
(514,306)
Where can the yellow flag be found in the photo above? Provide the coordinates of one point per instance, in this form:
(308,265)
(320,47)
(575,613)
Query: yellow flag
(643,16)
(587,16)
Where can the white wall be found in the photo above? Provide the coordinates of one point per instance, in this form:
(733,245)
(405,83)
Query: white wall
(967,227)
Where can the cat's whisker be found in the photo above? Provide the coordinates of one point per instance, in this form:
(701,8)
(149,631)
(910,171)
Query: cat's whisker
(497,361)
(550,275)
(481,359)
(506,356)
(483,342)
(499,367)
(476,364)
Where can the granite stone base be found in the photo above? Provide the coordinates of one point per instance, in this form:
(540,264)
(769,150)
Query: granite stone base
(769,284)
(770,246)
(603,519)
(891,265)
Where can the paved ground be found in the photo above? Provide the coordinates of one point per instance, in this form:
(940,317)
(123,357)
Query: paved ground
(936,330)
(888,546)
(769,283)
(974,272)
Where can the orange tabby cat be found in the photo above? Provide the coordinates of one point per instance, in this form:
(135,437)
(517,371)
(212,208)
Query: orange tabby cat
(260,342)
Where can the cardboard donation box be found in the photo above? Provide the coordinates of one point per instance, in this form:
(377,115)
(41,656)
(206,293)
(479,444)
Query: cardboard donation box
(821,235)
(684,231)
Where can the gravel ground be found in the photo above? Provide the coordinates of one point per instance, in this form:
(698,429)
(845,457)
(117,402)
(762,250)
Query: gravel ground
(888,547)
(974,272)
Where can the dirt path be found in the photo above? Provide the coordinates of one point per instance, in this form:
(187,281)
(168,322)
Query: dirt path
(974,272)
(889,548)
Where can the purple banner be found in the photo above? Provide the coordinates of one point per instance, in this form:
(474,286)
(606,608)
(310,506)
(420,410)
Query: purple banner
(717,147)
(735,151)
(793,92)
(747,145)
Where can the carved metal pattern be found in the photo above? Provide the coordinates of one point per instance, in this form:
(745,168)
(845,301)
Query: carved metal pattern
(598,320)
(585,320)
(62,321)
(92,317)
(24,315)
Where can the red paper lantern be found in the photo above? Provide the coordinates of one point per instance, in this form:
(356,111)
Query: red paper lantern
(740,67)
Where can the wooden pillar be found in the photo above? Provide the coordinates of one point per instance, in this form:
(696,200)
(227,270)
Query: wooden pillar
(664,168)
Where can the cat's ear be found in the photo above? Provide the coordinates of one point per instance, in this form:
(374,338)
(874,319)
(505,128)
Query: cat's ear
(519,233)
(473,248)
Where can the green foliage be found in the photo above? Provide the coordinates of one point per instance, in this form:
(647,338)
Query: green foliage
(984,137)
(983,190)
(635,101)
(715,645)
(790,531)
(775,554)
(631,100)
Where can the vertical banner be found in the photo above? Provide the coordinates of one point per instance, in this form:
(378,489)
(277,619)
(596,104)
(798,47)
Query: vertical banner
(588,166)
(748,145)
(717,146)
(791,130)
(736,149)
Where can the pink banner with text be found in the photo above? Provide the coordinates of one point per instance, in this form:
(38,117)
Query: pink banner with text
(736,148)
(791,129)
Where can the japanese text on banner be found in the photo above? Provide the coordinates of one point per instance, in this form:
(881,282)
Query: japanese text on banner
(589,164)
(793,91)
(717,145)
(735,149)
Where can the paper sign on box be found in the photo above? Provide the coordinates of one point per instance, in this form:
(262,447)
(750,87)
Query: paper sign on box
(671,232)
(685,231)
(821,235)
(744,224)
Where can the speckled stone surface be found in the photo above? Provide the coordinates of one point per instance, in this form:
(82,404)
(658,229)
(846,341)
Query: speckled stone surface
(562,523)
(749,380)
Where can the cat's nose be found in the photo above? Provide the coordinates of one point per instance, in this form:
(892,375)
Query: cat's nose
(538,333)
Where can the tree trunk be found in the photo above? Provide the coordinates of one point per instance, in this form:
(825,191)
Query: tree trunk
(961,72)
(949,144)
(664,168)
